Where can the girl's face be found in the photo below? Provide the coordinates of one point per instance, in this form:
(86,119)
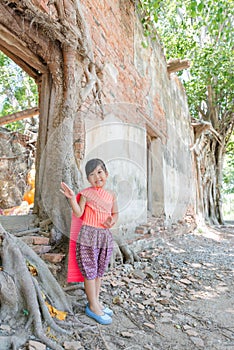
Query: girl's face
(98,177)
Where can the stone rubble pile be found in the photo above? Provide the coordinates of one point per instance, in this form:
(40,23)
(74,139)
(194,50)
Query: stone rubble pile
(178,271)
(178,296)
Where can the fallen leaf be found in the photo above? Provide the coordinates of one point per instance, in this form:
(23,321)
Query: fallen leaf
(32,269)
(127,334)
(149,325)
(185,281)
(140,306)
(163,301)
(117,300)
(60,315)
(150,301)
(135,290)
(25,312)
(177,326)
(191,332)
(136,281)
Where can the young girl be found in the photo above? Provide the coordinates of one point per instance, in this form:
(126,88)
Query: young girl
(99,212)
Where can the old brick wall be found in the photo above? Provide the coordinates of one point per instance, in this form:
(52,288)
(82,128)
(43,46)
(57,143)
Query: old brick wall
(135,82)
(136,91)
(126,84)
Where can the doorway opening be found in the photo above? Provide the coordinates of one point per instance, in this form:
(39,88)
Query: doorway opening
(19,120)
(155,178)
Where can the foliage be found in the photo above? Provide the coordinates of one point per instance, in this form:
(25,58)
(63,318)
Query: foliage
(228,175)
(18,90)
(201,31)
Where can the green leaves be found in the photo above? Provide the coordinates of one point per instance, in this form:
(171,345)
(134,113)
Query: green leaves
(25,312)
(228,175)
(18,91)
(201,31)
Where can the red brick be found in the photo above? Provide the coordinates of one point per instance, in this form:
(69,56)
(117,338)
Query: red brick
(53,257)
(41,249)
(40,240)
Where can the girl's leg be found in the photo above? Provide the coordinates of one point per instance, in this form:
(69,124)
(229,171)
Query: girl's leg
(91,292)
(98,288)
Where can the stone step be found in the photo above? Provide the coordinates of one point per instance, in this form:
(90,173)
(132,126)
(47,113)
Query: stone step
(142,229)
(35,240)
(41,249)
(40,244)
(17,223)
(53,257)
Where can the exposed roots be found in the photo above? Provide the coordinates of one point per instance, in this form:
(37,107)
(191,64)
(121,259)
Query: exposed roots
(26,284)
(122,253)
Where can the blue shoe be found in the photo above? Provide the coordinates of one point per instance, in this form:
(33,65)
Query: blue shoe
(102,319)
(108,311)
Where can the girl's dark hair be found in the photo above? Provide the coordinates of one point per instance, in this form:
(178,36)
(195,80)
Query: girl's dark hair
(92,164)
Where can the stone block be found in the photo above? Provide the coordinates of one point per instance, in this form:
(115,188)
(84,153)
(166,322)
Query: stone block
(40,240)
(35,345)
(140,230)
(53,257)
(41,249)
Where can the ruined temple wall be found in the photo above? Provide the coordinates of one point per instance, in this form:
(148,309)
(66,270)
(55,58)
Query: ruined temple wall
(142,128)
(144,133)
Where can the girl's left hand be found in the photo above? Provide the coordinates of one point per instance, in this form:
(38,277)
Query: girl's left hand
(109,222)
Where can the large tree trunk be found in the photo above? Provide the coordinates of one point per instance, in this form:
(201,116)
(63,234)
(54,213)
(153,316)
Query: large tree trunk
(211,137)
(53,45)
(209,170)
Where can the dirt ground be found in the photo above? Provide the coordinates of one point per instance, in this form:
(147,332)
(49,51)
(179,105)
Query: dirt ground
(179,296)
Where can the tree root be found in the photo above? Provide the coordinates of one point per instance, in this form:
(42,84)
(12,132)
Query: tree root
(8,294)
(12,341)
(45,312)
(23,293)
(103,339)
(123,253)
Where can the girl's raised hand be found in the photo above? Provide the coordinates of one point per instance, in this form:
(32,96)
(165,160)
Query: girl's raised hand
(109,222)
(66,190)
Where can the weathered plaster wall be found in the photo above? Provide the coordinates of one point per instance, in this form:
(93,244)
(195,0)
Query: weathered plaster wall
(179,184)
(141,104)
(123,148)
(173,186)
(138,92)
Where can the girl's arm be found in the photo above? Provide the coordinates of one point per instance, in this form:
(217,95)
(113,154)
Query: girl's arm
(111,220)
(115,211)
(77,208)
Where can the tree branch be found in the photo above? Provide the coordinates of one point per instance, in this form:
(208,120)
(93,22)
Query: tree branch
(27,113)
(175,65)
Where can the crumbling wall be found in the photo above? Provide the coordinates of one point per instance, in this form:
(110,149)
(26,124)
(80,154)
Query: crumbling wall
(138,92)
(17,155)
(148,107)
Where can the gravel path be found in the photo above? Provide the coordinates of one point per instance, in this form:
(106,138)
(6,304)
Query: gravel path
(179,296)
